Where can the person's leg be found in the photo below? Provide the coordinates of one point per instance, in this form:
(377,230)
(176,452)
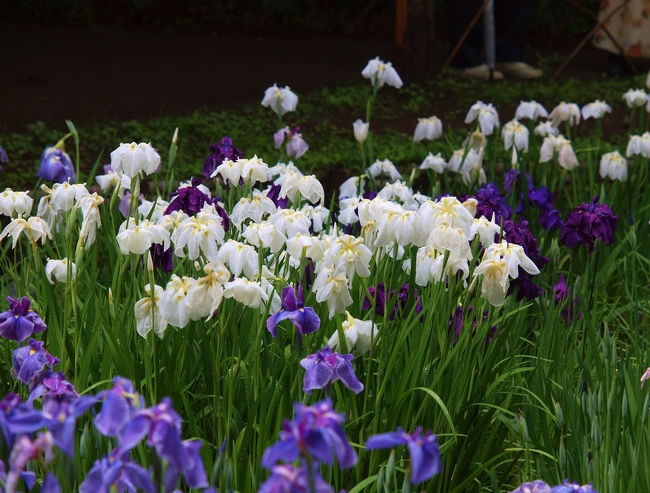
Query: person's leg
(511,26)
(470,53)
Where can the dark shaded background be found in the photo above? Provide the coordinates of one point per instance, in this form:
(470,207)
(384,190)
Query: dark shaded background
(93,60)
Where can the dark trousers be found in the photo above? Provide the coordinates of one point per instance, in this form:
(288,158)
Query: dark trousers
(510,25)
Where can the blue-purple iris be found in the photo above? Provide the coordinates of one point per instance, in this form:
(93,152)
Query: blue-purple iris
(537,486)
(274,195)
(315,431)
(190,199)
(3,158)
(326,367)
(491,202)
(293,308)
(288,479)
(20,322)
(116,473)
(218,152)
(56,166)
(30,360)
(588,223)
(423,449)
(568,487)
(296,145)
(562,292)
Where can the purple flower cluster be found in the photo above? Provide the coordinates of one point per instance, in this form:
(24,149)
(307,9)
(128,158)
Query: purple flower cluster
(20,322)
(314,435)
(326,367)
(191,200)
(423,449)
(490,201)
(588,223)
(293,308)
(539,486)
(382,299)
(541,198)
(218,153)
(56,166)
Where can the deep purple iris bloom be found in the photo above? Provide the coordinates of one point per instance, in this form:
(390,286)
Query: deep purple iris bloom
(30,360)
(190,200)
(326,367)
(56,166)
(288,479)
(562,292)
(537,486)
(551,219)
(315,431)
(116,473)
(274,195)
(3,158)
(163,259)
(293,308)
(218,152)
(567,487)
(19,322)
(192,468)
(296,145)
(423,449)
(399,309)
(588,223)
(491,202)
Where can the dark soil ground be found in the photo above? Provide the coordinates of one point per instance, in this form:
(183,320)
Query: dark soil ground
(84,74)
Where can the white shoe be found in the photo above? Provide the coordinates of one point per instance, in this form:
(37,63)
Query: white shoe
(481,72)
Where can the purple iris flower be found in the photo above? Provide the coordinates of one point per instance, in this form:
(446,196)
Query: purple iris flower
(293,308)
(192,468)
(491,202)
(274,195)
(509,180)
(3,158)
(381,299)
(28,476)
(56,166)
(116,473)
(54,385)
(17,418)
(218,152)
(562,292)
(24,450)
(550,219)
(30,360)
(588,223)
(423,449)
(296,145)
(524,287)
(315,431)
(61,422)
(326,367)
(20,322)
(163,259)
(188,199)
(119,405)
(567,487)
(288,479)
(537,486)
(125,204)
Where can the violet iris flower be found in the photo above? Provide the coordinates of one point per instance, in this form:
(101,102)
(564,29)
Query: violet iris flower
(116,473)
(288,479)
(188,199)
(119,405)
(567,487)
(192,468)
(456,323)
(588,223)
(296,145)
(326,367)
(17,418)
(315,431)
(423,449)
(3,158)
(30,360)
(218,152)
(54,384)
(56,166)
(163,259)
(19,322)
(537,486)
(491,202)
(293,308)
(274,195)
